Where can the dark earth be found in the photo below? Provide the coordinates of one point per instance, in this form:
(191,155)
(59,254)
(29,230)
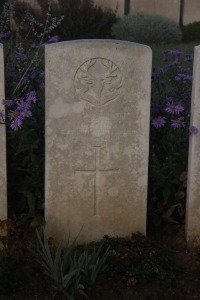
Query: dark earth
(185,286)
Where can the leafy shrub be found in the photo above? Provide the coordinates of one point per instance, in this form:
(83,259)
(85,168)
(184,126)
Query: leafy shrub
(24,77)
(147,29)
(191,32)
(169,136)
(82,19)
(138,258)
(70,269)
(2,2)
(33,24)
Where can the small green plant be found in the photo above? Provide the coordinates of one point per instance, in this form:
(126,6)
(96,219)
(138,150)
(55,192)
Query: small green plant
(84,19)
(70,269)
(61,266)
(137,258)
(93,263)
(147,29)
(168,213)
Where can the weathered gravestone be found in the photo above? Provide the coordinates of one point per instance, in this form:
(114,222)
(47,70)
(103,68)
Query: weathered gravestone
(97,138)
(193,186)
(3,181)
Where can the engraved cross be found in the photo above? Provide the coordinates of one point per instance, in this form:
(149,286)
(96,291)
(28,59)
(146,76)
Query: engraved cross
(97,170)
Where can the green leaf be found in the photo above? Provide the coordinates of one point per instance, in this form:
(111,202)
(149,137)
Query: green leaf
(179,195)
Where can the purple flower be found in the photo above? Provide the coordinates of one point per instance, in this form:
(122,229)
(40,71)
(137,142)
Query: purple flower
(33,46)
(180,77)
(188,78)
(26,113)
(42,74)
(184,69)
(7,102)
(171,66)
(178,123)
(33,75)
(16,124)
(157,69)
(21,105)
(178,108)
(31,97)
(188,57)
(183,77)
(21,57)
(5,35)
(173,52)
(170,106)
(13,114)
(25,81)
(53,39)
(193,130)
(158,121)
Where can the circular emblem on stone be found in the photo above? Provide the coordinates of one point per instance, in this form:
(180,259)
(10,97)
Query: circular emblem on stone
(98,81)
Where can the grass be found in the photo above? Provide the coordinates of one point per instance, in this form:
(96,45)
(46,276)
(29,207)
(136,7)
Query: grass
(157,50)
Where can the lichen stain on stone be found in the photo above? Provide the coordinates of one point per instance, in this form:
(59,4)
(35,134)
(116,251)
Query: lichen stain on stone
(63,109)
(100,126)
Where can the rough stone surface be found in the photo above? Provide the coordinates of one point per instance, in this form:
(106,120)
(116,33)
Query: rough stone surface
(3,181)
(97,138)
(193,186)
(169,8)
(191,11)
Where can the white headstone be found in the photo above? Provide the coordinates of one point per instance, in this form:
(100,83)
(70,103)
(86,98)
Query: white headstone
(3,181)
(97,138)
(193,186)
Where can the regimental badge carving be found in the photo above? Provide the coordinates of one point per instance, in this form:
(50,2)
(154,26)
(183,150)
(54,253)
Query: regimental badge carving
(98,81)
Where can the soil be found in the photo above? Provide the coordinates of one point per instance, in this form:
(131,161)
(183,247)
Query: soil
(186,286)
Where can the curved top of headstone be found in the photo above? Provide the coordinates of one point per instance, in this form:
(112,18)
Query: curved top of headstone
(98,41)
